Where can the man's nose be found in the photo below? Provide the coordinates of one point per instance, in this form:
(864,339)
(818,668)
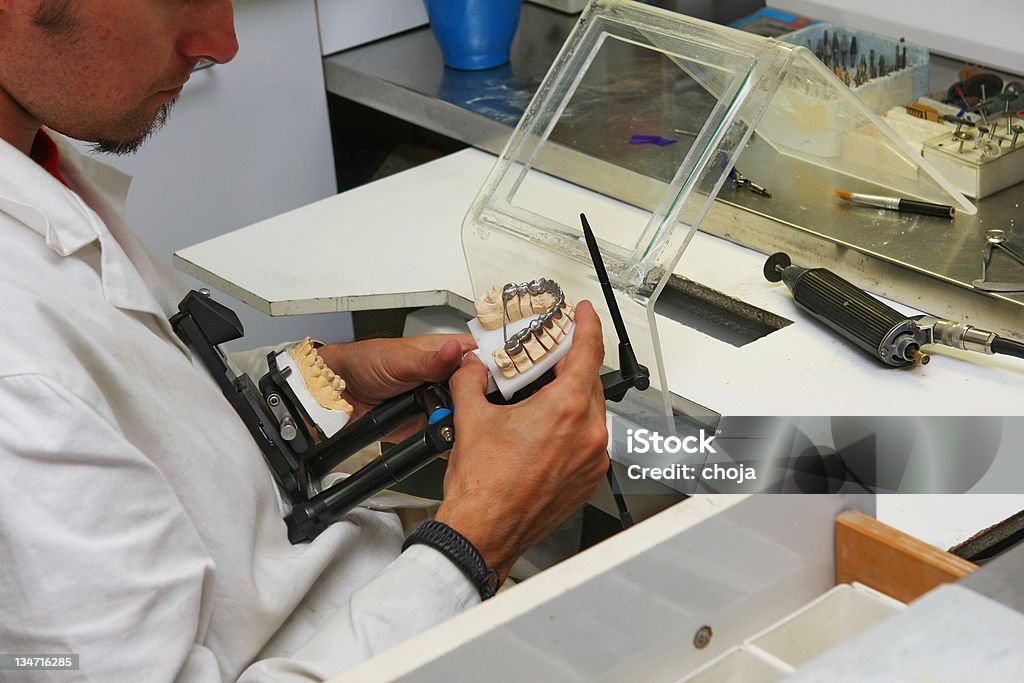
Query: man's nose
(210,32)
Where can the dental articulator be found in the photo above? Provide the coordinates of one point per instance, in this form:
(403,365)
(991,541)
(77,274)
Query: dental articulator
(300,420)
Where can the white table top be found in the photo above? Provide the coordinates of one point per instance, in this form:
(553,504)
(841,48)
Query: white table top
(397,242)
(390,244)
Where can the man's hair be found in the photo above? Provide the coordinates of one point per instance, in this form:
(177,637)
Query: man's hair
(56,17)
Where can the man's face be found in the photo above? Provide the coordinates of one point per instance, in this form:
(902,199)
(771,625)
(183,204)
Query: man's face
(107,71)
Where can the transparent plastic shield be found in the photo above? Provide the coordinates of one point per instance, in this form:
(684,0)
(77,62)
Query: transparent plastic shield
(687,96)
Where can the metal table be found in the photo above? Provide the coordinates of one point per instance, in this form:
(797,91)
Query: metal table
(923,262)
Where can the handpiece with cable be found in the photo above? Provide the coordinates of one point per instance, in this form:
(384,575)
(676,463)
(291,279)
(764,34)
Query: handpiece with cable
(883,332)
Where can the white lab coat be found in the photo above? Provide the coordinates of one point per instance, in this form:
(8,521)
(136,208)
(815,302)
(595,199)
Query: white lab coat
(139,526)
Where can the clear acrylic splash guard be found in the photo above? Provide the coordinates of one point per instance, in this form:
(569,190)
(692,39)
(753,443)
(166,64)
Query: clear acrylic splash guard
(722,84)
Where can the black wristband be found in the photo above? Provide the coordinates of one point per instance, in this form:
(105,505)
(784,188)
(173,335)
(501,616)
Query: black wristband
(460,551)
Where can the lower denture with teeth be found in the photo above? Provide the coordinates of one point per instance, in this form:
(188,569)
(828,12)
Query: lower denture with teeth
(514,302)
(320,380)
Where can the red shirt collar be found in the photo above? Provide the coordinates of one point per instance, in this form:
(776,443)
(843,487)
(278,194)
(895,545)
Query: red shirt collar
(45,153)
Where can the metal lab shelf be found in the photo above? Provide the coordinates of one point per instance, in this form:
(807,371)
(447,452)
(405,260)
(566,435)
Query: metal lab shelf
(924,263)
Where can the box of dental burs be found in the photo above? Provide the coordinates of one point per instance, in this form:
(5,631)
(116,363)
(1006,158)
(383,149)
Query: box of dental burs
(883,72)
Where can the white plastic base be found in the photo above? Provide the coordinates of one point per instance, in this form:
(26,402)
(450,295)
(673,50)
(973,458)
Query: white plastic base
(489,340)
(973,174)
(329,421)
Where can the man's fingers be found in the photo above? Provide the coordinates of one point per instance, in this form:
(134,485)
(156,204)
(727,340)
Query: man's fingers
(429,342)
(469,383)
(439,365)
(583,362)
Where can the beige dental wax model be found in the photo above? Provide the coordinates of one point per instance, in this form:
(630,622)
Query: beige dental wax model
(521,331)
(316,387)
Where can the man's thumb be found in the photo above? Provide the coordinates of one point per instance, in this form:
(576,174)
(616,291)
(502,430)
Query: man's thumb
(469,382)
(438,365)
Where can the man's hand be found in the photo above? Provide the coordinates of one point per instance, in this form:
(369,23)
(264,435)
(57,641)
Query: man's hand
(518,472)
(375,370)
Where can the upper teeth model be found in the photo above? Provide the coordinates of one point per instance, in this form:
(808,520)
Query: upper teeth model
(514,302)
(320,380)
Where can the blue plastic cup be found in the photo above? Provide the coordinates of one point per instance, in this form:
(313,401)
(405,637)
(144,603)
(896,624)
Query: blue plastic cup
(474,34)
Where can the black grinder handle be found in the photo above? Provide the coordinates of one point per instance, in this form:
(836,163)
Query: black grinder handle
(847,309)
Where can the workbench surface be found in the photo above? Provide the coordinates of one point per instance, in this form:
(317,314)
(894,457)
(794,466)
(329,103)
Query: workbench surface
(397,243)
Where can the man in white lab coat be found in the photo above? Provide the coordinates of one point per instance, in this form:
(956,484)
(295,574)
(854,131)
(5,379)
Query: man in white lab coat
(139,527)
